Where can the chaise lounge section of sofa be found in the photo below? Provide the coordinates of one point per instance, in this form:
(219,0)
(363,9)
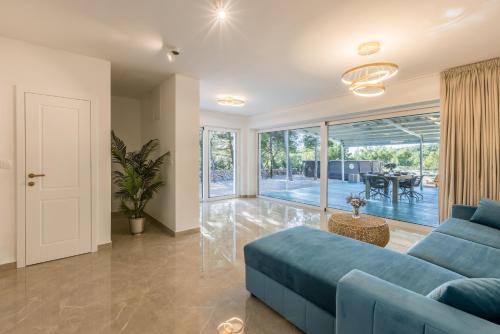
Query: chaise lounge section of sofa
(325,283)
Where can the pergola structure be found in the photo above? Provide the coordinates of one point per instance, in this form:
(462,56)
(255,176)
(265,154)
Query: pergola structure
(414,129)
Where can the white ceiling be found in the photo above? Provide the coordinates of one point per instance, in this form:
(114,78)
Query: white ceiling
(275,53)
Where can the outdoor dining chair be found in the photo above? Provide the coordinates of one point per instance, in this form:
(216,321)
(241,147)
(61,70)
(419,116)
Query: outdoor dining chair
(408,188)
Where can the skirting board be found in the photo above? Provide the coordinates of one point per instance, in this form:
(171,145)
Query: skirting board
(248,196)
(7,266)
(169,231)
(104,246)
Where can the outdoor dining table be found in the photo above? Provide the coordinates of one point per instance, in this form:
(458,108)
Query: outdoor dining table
(395,179)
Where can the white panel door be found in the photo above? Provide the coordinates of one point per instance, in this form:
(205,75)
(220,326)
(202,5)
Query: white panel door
(58,177)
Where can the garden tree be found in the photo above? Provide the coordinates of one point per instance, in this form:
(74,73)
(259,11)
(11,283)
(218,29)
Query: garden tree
(402,155)
(311,142)
(406,156)
(335,151)
(431,157)
(304,145)
(221,152)
(293,145)
(272,145)
(382,153)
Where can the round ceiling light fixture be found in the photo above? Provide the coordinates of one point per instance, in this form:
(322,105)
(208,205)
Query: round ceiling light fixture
(368,74)
(367,79)
(230,101)
(369,48)
(369,90)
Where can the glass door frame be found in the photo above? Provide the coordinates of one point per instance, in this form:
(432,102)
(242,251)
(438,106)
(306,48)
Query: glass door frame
(363,118)
(206,163)
(352,118)
(323,152)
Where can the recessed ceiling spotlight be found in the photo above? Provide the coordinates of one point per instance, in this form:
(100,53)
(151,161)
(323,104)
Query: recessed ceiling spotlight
(220,10)
(369,48)
(230,101)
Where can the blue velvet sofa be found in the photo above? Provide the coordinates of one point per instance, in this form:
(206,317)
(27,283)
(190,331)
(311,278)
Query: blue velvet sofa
(324,283)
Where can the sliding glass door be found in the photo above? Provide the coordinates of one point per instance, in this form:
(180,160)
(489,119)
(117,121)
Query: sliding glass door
(391,161)
(290,165)
(218,163)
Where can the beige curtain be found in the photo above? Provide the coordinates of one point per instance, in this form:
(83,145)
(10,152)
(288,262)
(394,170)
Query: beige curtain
(470,135)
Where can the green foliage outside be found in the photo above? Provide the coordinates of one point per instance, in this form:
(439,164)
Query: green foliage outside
(221,154)
(305,146)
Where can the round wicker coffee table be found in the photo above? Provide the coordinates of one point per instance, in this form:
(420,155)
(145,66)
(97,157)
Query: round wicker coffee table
(373,230)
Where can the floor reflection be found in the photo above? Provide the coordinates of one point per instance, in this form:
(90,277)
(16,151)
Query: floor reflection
(154,283)
(226,226)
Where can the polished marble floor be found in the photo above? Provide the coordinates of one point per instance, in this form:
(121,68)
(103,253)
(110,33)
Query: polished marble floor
(158,284)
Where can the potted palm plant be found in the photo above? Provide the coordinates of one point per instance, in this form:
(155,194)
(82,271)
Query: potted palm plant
(138,180)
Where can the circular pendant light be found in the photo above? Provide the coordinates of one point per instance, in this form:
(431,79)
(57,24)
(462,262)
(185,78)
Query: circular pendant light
(368,90)
(370,74)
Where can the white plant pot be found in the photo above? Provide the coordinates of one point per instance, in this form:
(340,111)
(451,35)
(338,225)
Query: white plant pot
(136,225)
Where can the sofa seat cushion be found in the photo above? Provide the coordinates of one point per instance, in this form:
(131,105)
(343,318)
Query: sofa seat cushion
(459,255)
(310,262)
(467,230)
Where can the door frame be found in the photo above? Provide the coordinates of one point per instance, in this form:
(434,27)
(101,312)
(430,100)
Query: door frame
(20,150)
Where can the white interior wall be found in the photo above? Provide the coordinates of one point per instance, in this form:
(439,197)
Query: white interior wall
(154,124)
(186,153)
(61,73)
(126,123)
(170,113)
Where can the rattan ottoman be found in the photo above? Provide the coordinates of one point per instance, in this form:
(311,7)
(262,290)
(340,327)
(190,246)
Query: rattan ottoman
(373,230)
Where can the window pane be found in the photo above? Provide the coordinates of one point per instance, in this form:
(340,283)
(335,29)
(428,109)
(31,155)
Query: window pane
(380,160)
(289,165)
(222,163)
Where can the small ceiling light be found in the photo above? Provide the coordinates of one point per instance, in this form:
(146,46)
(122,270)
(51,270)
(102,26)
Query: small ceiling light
(368,48)
(220,10)
(231,101)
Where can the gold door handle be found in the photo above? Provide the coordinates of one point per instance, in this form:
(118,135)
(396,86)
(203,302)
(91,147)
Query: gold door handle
(31,175)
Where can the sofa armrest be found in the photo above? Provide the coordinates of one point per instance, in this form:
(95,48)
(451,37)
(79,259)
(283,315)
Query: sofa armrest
(461,211)
(367,304)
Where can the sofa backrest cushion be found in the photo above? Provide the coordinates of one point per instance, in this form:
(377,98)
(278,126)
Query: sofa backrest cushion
(487,213)
(478,296)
